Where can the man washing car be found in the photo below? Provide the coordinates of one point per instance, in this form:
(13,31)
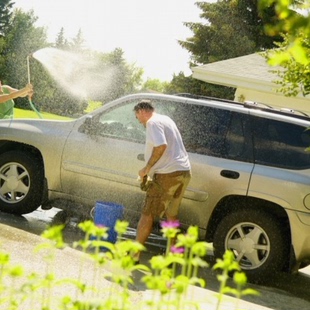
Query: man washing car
(168,165)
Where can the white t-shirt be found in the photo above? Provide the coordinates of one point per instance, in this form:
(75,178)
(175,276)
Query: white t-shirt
(161,129)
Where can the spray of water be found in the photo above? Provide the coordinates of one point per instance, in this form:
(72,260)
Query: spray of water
(82,75)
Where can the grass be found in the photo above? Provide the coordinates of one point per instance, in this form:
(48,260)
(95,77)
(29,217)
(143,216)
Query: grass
(21,113)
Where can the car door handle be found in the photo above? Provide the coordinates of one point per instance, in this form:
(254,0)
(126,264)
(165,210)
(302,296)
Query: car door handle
(230,174)
(141,157)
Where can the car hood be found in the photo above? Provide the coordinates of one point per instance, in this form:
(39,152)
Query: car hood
(36,126)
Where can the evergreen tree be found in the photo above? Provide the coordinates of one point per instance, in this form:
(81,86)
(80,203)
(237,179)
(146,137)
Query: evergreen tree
(21,39)
(78,42)
(61,42)
(232,28)
(5,15)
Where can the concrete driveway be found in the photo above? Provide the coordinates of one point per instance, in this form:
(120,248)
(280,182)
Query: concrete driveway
(20,235)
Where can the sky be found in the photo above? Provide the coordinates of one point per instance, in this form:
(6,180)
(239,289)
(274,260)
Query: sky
(146,30)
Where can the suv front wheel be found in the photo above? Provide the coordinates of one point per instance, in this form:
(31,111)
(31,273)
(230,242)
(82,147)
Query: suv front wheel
(21,182)
(258,241)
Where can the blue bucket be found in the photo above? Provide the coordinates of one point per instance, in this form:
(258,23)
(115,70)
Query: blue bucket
(106,214)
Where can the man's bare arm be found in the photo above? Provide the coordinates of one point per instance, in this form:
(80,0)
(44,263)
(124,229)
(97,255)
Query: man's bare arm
(157,153)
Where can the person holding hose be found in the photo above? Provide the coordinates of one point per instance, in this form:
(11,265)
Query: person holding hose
(7,94)
(168,165)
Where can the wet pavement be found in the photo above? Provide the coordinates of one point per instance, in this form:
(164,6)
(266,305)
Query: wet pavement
(284,291)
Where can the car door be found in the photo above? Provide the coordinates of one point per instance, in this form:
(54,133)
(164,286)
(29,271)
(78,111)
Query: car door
(281,162)
(221,154)
(101,163)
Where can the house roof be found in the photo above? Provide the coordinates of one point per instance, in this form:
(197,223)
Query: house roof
(253,79)
(250,71)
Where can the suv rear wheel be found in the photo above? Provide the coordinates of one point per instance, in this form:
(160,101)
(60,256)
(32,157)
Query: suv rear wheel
(257,240)
(21,182)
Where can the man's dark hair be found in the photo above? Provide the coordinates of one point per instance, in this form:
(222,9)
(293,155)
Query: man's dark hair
(144,105)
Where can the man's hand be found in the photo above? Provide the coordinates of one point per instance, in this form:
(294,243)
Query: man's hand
(144,171)
(30,90)
(27,91)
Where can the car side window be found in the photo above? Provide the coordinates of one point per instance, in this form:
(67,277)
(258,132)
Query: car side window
(281,144)
(120,122)
(238,141)
(208,128)
(202,128)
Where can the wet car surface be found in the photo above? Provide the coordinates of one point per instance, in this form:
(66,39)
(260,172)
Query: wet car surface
(250,173)
(285,291)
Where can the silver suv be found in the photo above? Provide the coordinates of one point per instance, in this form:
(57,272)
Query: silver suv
(251,172)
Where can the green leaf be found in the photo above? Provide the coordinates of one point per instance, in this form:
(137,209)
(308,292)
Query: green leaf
(17,271)
(250,291)
(299,53)
(121,227)
(4,258)
(199,281)
(240,278)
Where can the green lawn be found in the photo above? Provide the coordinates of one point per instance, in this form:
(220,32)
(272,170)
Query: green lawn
(20,113)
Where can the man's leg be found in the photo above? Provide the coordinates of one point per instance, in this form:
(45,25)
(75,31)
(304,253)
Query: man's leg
(173,209)
(144,229)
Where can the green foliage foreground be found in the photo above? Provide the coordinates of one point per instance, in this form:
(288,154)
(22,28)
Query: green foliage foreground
(168,277)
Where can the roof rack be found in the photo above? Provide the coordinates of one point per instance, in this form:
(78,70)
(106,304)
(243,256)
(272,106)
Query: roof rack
(286,110)
(189,95)
(193,96)
(268,108)
(253,105)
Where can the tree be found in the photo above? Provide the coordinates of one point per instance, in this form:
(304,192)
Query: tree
(135,81)
(155,85)
(108,75)
(294,53)
(22,38)
(61,42)
(119,77)
(290,20)
(188,85)
(294,76)
(5,15)
(78,42)
(81,76)
(232,28)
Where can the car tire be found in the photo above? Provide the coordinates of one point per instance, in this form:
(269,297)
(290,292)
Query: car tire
(258,241)
(21,182)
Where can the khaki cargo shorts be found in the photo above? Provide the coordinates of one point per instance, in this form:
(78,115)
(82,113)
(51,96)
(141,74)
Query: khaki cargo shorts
(165,194)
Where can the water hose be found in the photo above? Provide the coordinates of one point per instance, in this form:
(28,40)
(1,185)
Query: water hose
(29,97)
(34,108)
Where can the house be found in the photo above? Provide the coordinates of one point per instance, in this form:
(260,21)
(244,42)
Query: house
(253,80)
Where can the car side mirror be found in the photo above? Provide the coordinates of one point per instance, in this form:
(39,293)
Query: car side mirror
(87,125)
(88,120)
